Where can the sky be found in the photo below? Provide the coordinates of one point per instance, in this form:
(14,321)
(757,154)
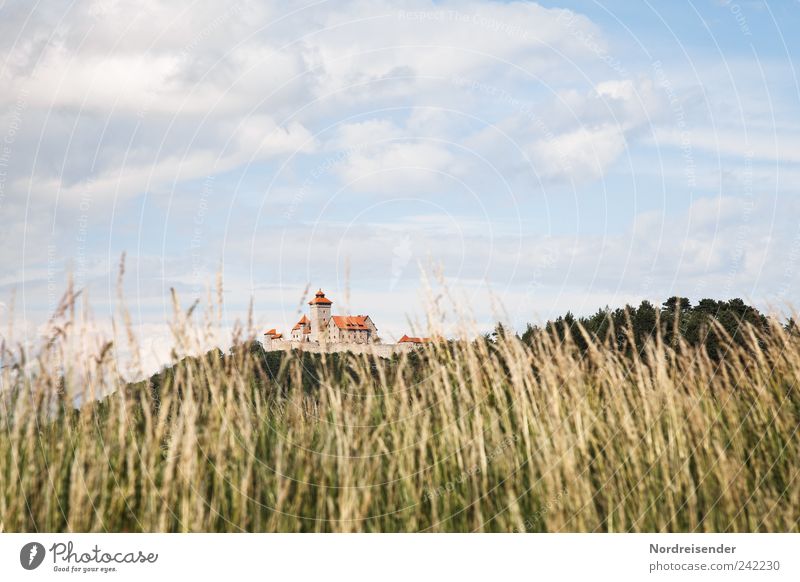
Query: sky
(509,160)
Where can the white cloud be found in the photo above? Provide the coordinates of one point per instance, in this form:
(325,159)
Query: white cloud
(253,139)
(583,154)
(395,166)
(625,89)
(362,134)
(259,137)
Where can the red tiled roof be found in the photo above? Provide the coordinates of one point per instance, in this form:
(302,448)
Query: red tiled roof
(320,299)
(413,340)
(273,334)
(350,322)
(303,322)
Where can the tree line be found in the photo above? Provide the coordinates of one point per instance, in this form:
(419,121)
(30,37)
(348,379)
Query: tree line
(629,328)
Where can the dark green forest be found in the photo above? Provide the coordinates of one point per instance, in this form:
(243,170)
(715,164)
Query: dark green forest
(676,322)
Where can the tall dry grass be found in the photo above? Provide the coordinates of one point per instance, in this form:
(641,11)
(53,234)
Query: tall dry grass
(464,436)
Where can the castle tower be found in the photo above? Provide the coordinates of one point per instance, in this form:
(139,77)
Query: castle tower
(320,315)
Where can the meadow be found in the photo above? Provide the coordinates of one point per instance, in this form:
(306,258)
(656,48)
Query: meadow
(553,433)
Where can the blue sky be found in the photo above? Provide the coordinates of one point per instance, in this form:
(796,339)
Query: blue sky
(542,156)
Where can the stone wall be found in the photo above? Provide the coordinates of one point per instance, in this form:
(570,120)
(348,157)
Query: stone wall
(381,350)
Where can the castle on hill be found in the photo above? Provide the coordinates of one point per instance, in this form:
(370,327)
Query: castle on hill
(321,331)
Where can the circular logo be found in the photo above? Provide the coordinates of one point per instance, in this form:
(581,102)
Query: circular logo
(31,555)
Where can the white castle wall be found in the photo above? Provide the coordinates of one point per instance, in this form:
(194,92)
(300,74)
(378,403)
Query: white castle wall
(381,350)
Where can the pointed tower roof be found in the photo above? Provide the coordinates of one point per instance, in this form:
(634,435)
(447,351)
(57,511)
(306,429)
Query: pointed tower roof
(320,299)
(304,322)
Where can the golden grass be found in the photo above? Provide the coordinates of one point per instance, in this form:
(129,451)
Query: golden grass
(468,436)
